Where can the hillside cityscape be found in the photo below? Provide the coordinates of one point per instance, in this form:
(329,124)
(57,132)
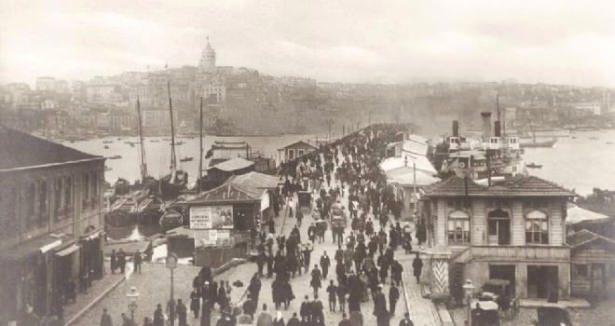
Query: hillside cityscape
(245,101)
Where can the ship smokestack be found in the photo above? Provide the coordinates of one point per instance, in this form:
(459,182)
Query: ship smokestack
(486,124)
(497,129)
(455,128)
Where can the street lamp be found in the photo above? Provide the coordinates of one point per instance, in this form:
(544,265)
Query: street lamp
(132,295)
(171,264)
(468,290)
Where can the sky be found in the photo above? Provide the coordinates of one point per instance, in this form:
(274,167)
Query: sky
(384,41)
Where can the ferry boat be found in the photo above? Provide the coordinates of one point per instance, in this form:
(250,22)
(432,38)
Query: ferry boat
(186,159)
(534,166)
(115,157)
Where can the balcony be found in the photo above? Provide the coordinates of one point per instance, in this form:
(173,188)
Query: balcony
(521,253)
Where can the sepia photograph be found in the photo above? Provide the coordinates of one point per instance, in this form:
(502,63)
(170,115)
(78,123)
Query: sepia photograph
(389,163)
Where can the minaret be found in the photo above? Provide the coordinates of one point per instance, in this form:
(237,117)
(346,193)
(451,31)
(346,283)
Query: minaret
(208,58)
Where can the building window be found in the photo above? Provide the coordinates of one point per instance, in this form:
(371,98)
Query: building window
(498,227)
(68,195)
(43,204)
(300,153)
(94,192)
(581,270)
(30,204)
(536,228)
(291,154)
(458,227)
(86,191)
(58,202)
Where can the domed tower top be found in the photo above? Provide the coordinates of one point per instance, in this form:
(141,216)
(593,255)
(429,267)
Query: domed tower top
(208,58)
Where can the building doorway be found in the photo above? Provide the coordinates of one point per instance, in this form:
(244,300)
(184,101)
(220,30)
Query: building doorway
(499,227)
(542,282)
(504,272)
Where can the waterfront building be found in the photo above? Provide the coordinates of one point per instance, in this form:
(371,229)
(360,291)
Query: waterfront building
(512,229)
(50,224)
(293,151)
(223,220)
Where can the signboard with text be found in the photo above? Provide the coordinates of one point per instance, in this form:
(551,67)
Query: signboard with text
(211,217)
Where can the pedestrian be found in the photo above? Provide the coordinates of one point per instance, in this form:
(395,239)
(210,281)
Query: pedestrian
(125,320)
(294,321)
(307,255)
(121,260)
(278,320)
(249,307)
(325,262)
(311,231)
(396,270)
(417,266)
(147,321)
(318,315)
(137,259)
(393,297)
(195,302)
(315,283)
(113,261)
(182,313)
(345,321)
(264,319)
(406,321)
(260,262)
(342,291)
(332,290)
(158,316)
(306,310)
(171,311)
(356,318)
(380,308)
(105,319)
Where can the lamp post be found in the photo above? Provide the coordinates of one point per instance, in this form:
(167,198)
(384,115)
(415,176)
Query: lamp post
(468,289)
(132,295)
(171,264)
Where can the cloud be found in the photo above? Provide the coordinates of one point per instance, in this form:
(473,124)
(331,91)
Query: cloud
(345,40)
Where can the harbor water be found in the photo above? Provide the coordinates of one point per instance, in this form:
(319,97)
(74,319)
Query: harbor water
(582,161)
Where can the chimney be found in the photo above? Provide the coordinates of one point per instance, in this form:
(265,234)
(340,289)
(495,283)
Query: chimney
(455,128)
(498,129)
(486,124)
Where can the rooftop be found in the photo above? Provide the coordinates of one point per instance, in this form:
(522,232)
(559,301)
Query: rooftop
(584,236)
(23,151)
(246,187)
(234,164)
(517,186)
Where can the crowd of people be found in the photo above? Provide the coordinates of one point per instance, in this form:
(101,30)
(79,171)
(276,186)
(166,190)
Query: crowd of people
(345,183)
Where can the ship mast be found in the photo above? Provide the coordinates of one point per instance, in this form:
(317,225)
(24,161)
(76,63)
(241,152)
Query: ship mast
(173,157)
(143,164)
(198,181)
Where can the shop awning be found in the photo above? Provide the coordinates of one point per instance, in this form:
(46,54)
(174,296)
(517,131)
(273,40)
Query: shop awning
(67,251)
(28,248)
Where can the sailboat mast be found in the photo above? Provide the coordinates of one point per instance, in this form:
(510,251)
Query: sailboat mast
(143,164)
(173,158)
(198,181)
